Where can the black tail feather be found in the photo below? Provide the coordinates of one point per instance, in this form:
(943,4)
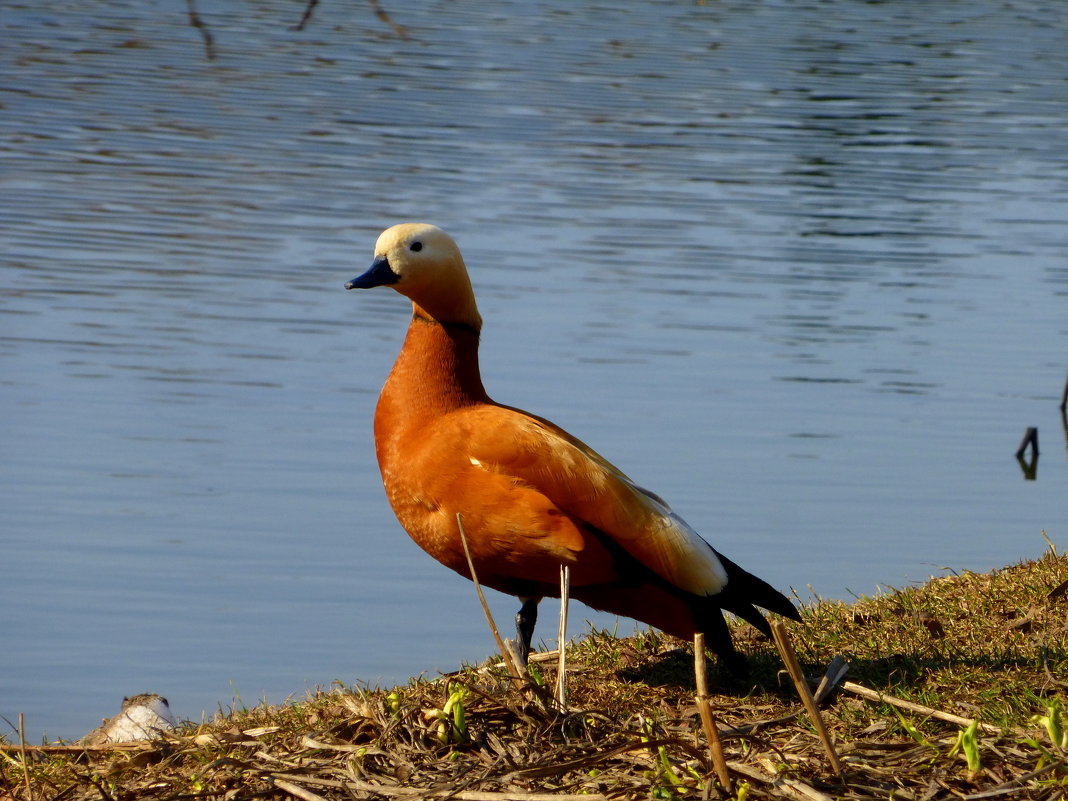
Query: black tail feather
(742,595)
(744,592)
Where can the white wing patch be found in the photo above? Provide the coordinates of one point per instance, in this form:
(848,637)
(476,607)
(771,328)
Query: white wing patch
(696,568)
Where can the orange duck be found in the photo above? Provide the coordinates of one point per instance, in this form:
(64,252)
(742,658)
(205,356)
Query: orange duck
(531,496)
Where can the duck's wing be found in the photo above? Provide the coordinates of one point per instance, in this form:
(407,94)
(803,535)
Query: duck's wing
(587,487)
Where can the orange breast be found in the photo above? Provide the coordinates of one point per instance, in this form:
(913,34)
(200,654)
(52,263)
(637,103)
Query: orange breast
(431,417)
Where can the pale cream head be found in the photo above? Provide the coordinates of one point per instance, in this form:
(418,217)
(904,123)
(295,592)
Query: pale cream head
(430,271)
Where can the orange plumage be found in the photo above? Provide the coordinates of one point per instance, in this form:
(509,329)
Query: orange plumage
(531,496)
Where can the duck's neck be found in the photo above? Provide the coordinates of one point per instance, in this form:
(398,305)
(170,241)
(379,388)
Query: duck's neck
(435,373)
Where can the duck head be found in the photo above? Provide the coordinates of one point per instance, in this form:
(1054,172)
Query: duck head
(423,263)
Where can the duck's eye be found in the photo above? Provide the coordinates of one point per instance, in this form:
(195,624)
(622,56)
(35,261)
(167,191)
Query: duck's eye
(416,246)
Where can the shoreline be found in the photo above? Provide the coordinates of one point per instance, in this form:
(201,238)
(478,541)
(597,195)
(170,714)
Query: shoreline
(954,689)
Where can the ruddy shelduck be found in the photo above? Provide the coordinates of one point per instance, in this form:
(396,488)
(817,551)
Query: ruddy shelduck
(531,497)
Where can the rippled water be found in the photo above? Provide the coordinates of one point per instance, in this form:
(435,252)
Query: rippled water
(800,268)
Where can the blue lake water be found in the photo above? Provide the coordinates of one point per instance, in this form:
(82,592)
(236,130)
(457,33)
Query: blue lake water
(801,268)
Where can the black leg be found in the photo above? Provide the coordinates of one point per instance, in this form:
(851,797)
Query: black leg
(718,637)
(524,625)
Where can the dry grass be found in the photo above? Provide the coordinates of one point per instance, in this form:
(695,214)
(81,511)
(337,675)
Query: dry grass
(990,647)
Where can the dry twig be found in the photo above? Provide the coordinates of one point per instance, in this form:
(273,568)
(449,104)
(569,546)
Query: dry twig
(704,708)
(786,649)
(561,666)
(911,706)
(505,652)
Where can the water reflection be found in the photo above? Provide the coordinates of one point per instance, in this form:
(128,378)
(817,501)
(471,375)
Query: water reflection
(1027,453)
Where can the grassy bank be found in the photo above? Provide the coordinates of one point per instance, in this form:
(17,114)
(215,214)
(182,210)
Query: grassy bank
(955,689)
